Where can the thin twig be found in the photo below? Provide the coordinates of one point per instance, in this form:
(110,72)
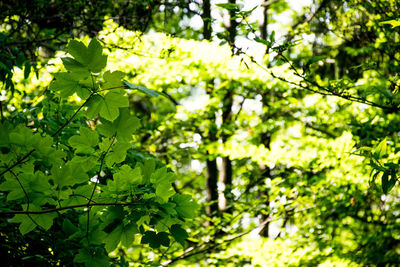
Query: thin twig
(27,197)
(17,162)
(70,119)
(322,90)
(2,213)
(96,183)
(187,254)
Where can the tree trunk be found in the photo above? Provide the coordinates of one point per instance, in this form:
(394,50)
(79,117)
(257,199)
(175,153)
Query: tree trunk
(232,24)
(206,16)
(212,169)
(212,186)
(264,24)
(265,194)
(226,168)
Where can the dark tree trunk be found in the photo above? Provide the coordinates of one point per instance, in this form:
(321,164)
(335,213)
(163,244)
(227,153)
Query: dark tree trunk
(227,181)
(232,24)
(212,169)
(212,186)
(226,170)
(206,16)
(264,24)
(265,194)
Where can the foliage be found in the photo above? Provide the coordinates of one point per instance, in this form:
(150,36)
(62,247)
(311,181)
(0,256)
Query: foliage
(290,145)
(72,174)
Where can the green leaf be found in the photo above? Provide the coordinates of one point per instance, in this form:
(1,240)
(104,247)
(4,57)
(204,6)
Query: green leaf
(80,71)
(124,179)
(68,227)
(118,154)
(113,238)
(393,23)
(94,106)
(381,149)
(91,57)
(28,223)
(155,240)
(123,127)
(185,206)
(128,234)
(148,168)
(131,176)
(96,60)
(142,89)
(92,257)
(27,69)
(14,189)
(262,41)
(61,176)
(5,129)
(388,184)
(84,142)
(162,181)
(78,50)
(110,105)
(65,84)
(179,234)
(164,190)
(113,79)
(229,6)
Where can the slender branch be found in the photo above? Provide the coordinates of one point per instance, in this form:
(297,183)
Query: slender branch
(2,213)
(241,107)
(308,18)
(187,254)
(17,162)
(324,131)
(27,197)
(70,119)
(171,98)
(85,197)
(95,185)
(33,41)
(322,90)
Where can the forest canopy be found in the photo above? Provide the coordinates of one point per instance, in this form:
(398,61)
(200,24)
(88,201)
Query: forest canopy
(199,133)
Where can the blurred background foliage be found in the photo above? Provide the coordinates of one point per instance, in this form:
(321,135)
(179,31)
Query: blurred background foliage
(279,117)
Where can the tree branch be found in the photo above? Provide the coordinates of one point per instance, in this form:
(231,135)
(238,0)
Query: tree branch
(27,198)
(18,162)
(95,185)
(3,213)
(213,244)
(70,119)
